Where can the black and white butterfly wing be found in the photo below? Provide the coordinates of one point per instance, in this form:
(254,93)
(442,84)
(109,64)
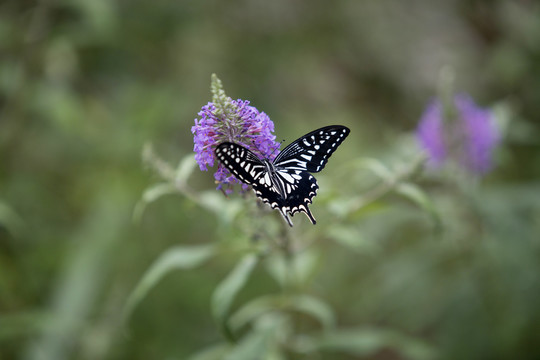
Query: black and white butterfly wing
(242,163)
(271,188)
(289,191)
(311,151)
(286,183)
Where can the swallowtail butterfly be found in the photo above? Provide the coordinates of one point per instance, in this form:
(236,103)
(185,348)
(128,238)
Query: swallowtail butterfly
(285,183)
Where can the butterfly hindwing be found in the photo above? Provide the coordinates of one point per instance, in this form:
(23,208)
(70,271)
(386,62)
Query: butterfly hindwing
(311,151)
(300,189)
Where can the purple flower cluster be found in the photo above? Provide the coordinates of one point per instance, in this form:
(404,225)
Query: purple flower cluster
(469,137)
(242,124)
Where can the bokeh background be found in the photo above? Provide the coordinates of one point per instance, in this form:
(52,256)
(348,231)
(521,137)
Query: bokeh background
(85,84)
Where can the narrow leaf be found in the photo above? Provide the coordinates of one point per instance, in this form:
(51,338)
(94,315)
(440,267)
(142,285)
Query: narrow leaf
(369,341)
(150,195)
(306,304)
(252,346)
(227,290)
(351,238)
(297,270)
(377,167)
(314,307)
(419,197)
(262,341)
(185,168)
(252,310)
(214,201)
(178,257)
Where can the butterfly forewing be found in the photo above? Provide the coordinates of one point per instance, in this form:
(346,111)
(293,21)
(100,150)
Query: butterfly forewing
(311,151)
(241,162)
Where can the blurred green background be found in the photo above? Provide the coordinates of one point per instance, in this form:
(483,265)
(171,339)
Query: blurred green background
(85,84)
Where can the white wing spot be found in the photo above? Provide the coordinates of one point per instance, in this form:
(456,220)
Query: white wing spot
(307,157)
(265,179)
(287,177)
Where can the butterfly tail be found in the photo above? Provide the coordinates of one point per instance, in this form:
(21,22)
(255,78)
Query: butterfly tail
(285,213)
(286,216)
(308,213)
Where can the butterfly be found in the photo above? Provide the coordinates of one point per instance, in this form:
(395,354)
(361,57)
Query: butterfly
(285,183)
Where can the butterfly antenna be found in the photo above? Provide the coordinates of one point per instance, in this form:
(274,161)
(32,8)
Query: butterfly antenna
(277,148)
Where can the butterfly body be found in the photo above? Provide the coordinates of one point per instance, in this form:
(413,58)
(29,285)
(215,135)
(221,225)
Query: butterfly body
(285,183)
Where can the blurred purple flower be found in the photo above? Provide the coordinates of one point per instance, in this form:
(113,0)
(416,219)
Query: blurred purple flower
(469,137)
(430,133)
(239,123)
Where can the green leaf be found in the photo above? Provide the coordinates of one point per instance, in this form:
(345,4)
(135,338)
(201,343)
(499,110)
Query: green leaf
(227,290)
(306,304)
(351,238)
(252,346)
(155,192)
(304,265)
(377,167)
(262,341)
(150,195)
(277,268)
(226,209)
(178,257)
(185,168)
(252,310)
(316,308)
(296,270)
(419,197)
(367,342)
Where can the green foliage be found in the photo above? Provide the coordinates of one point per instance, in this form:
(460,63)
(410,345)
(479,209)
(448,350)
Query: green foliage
(366,342)
(179,257)
(265,327)
(405,262)
(228,289)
